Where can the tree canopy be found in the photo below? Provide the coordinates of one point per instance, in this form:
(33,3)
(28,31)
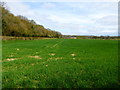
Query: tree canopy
(21,26)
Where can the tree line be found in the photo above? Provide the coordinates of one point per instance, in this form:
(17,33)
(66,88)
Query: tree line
(21,26)
(90,37)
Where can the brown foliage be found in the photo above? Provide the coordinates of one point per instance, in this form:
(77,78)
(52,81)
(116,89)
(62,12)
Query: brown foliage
(21,26)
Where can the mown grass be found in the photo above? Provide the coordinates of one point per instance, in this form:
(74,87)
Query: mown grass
(60,63)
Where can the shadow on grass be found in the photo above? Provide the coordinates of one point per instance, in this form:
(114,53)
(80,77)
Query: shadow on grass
(112,85)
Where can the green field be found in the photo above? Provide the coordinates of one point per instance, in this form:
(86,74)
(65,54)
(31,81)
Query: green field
(60,63)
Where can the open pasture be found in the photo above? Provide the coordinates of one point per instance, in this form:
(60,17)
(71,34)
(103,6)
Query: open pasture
(60,63)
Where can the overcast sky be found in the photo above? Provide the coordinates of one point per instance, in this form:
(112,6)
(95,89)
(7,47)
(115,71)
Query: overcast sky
(74,18)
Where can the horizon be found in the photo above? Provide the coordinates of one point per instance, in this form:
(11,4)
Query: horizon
(71,18)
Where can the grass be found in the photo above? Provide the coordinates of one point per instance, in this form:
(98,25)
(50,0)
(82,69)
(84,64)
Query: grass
(60,63)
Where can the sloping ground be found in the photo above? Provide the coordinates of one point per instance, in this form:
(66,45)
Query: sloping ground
(20,26)
(54,63)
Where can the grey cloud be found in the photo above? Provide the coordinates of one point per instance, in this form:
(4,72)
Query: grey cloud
(108,20)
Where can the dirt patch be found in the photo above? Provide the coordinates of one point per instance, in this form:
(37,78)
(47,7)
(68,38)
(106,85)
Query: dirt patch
(11,55)
(36,57)
(17,49)
(32,64)
(52,54)
(73,58)
(57,58)
(46,65)
(50,58)
(73,54)
(11,59)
